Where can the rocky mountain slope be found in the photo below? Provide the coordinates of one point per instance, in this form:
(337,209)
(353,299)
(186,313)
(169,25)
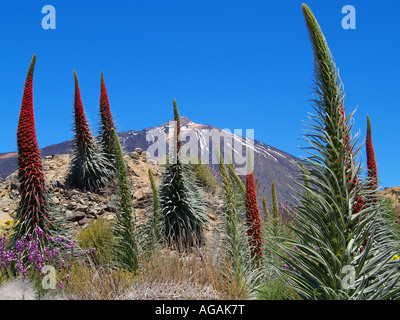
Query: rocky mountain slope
(270,164)
(80,207)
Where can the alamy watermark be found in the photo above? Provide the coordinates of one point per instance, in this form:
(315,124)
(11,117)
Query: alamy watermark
(201,146)
(49,280)
(49,20)
(349,20)
(348,280)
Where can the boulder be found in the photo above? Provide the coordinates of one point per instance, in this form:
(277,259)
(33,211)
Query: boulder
(69,215)
(84,221)
(81,208)
(112,207)
(72,205)
(4,202)
(92,212)
(79,216)
(143,193)
(55,200)
(134,155)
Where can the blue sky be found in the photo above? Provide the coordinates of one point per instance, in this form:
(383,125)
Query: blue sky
(232,64)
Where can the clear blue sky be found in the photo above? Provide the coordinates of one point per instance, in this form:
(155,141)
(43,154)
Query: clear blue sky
(232,64)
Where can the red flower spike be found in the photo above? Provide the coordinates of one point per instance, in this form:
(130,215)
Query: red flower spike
(371,163)
(253,218)
(358,204)
(82,130)
(105,113)
(30,170)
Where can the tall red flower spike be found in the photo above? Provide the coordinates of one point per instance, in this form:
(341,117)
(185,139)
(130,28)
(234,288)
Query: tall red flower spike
(32,211)
(359,201)
(83,136)
(371,163)
(106,118)
(253,219)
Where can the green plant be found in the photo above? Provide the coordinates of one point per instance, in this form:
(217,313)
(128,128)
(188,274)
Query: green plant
(276,289)
(243,273)
(181,201)
(90,282)
(231,217)
(238,186)
(303,178)
(7,227)
(265,208)
(150,231)
(335,234)
(236,181)
(182,207)
(97,235)
(275,210)
(204,176)
(392,212)
(124,230)
(156,219)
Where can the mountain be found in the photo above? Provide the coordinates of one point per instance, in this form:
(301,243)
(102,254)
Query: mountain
(270,164)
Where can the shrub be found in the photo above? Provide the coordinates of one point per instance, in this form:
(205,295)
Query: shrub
(88,282)
(7,227)
(30,255)
(276,289)
(205,177)
(97,235)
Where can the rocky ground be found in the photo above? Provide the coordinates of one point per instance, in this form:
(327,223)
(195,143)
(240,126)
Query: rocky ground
(79,207)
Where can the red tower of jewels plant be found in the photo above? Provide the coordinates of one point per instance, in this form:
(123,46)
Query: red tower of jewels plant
(33,208)
(84,138)
(253,219)
(371,163)
(107,122)
(89,168)
(359,202)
